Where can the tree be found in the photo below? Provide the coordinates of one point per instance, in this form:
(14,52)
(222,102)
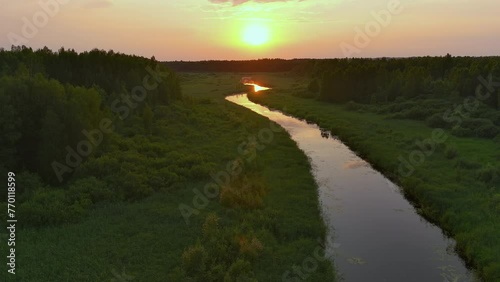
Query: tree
(52,144)
(147,118)
(313,86)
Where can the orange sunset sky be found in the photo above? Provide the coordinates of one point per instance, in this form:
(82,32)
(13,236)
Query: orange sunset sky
(249,29)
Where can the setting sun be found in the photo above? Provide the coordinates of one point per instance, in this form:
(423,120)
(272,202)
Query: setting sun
(256,34)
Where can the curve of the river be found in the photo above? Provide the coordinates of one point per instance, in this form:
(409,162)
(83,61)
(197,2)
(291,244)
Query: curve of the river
(374,233)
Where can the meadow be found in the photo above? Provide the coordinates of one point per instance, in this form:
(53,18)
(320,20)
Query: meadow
(132,210)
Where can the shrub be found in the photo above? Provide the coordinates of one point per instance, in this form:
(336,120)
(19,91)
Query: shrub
(401,105)
(91,188)
(451,152)
(487,131)
(437,121)
(246,192)
(487,174)
(418,113)
(466,164)
(131,185)
(497,138)
(313,86)
(211,226)
(492,115)
(303,94)
(201,170)
(495,202)
(52,207)
(241,270)
(473,123)
(194,260)
(26,184)
(462,132)
(353,106)
(99,167)
(250,247)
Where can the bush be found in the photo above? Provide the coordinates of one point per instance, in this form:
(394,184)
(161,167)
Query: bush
(211,226)
(401,105)
(487,131)
(26,184)
(353,106)
(313,86)
(473,123)
(194,260)
(466,164)
(418,113)
(250,248)
(462,132)
(437,121)
(492,115)
(52,207)
(246,192)
(303,94)
(241,270)
(451,152)
(91,188)
(487,174)
(497,138)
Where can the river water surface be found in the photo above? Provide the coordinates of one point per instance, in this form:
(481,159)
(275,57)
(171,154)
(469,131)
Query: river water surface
(374,233)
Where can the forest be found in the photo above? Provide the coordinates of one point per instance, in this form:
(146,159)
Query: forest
(62,109)
(457,93)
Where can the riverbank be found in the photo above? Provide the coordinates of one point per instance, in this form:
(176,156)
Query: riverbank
(445,185)
(366,216)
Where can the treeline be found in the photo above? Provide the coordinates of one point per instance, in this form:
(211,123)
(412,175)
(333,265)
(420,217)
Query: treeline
(114,73)
(457,93)
(262,65)
(50,102)
(384,80)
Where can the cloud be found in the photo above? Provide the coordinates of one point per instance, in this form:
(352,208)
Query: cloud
(239,2)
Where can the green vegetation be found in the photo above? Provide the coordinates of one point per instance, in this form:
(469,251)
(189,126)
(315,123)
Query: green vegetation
(116,214)
(456,184)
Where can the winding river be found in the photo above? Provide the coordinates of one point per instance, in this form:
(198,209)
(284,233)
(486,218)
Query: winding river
(374,233)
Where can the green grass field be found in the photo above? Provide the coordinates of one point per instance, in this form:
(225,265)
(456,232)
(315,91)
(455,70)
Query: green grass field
(254,234)
(456,185)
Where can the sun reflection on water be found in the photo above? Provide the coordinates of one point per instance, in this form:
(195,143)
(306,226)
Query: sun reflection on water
(257,88)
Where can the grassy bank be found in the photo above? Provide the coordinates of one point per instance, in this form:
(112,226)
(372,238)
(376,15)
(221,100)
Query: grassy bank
(456,184)
(264,220)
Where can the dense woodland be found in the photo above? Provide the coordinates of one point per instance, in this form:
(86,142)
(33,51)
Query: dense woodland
(51,102)
(458,93)
(383,80)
